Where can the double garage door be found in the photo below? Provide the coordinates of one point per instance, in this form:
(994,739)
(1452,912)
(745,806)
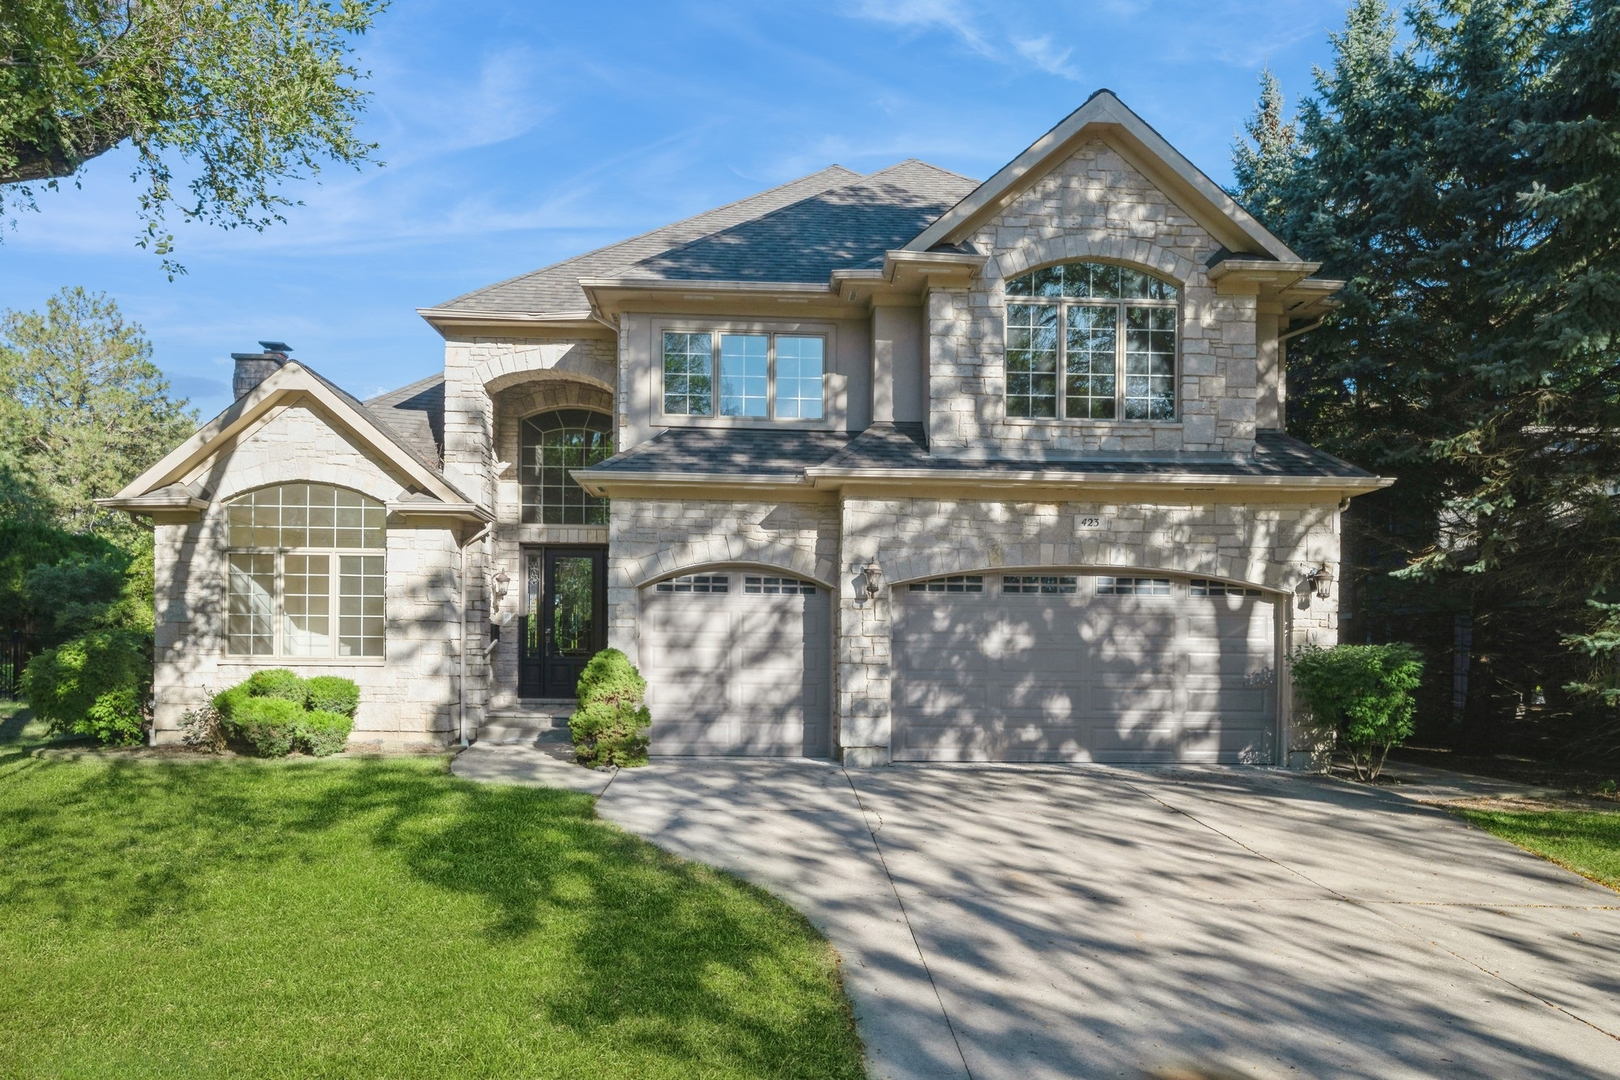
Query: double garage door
(1076,667)
(1038,666)
(738,662)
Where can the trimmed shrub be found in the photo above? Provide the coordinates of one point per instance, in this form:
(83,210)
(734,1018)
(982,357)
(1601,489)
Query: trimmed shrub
(277,683)
(322,732)
(226,701)
(610,725)
(1364,693)
(97,684)
(332,693)
(268,724)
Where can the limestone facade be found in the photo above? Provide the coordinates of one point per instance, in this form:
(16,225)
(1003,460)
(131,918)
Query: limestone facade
(1094,205)
(407,697)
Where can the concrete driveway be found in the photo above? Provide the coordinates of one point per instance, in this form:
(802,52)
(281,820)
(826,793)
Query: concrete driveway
(1033,922)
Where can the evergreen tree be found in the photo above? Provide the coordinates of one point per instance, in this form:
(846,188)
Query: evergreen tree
(83,410)
(1462,185)
(1263,168)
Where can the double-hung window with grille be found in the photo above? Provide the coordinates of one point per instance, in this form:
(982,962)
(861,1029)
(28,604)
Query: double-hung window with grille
(1091,341)
(305,573)
(744,375)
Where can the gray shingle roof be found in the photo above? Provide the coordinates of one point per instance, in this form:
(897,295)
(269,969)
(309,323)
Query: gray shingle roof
(727,451)
(416,414)
(901,446)
(843,228)
(555,289)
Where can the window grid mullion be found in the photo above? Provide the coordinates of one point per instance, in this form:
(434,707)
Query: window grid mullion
(770,376)
(1063,360)
(1120,333)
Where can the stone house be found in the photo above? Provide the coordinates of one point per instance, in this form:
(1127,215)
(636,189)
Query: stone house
(902,466)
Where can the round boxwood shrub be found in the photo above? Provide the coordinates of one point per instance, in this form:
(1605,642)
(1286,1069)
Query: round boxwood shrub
(332,693)
(97,684)
(263,714)
(270,725)
(610,725)
(277,683)
(322,732)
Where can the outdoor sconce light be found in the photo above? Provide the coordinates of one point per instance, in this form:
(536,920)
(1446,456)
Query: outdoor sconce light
(503,581)
(874,579)
(1321,580)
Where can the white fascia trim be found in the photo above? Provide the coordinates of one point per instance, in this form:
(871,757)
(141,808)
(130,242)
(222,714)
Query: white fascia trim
(1102,108)
(462,511)
(828,478)
(289,380)
(458,315)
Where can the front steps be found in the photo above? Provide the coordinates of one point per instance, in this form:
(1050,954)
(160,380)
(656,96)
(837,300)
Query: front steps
(529,723)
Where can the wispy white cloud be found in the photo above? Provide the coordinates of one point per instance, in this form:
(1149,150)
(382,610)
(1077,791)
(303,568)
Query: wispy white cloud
(996,32)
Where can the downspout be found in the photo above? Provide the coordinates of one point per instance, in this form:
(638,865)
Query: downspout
(461,682)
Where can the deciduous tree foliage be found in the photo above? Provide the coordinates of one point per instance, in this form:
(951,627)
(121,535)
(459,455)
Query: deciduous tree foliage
(240,95)
(1463,177)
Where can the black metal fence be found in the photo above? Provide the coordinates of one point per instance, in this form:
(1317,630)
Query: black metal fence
(14,654)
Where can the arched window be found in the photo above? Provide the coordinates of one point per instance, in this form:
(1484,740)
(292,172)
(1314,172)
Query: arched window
(298,554)
(1073,330)
(551,444)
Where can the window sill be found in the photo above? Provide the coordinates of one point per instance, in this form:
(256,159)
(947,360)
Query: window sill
(749,422)
(304,661)
(1088,422)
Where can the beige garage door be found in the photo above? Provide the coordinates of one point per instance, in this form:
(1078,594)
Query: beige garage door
(1074,667)
(737,662)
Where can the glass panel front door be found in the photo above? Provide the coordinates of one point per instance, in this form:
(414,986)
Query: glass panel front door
(565,618)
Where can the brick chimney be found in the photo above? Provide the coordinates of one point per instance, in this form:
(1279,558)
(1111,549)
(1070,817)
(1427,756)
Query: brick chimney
(253,368)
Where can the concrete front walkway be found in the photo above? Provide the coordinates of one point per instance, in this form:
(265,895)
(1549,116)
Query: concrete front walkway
(1005,921)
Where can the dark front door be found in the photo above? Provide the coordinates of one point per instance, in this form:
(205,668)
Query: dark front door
(565,618)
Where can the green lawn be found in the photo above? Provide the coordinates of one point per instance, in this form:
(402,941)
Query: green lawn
(378,917)
(1586,841)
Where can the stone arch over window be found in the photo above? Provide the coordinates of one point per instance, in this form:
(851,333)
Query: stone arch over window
(1142,254)
(550,444)
(306,572)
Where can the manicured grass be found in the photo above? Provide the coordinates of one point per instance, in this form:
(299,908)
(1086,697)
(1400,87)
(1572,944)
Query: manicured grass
(378,917)
(1586,841)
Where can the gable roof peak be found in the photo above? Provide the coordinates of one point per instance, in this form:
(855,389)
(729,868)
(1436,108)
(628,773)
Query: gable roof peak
(1103,115)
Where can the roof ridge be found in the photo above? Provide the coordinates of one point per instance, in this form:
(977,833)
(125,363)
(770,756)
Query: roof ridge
(924,164)
(422,383)
(661,228)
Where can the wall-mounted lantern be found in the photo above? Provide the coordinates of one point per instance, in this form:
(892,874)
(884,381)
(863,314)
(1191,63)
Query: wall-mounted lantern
(873,574)
(503,582)
(1321,581)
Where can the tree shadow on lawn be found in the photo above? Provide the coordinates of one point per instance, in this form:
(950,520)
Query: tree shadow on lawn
(663,956)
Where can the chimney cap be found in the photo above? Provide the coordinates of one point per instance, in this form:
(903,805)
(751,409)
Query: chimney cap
(275,346)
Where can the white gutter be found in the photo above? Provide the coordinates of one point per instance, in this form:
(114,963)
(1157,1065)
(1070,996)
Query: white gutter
(1065,478)
(1302,330)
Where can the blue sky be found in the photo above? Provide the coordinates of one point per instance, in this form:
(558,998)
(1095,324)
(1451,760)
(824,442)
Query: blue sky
(516,134)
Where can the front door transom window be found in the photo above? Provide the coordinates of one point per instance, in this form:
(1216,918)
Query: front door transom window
(1091,341)
(552,443)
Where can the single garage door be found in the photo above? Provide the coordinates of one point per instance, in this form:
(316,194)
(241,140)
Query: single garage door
(737,662)
(1062,666)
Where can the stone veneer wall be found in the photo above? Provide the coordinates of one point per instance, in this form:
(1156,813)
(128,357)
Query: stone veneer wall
(1093,206)
(407,697)
(1270,545)
(654,538)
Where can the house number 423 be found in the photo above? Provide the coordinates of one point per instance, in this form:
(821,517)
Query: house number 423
(1089,521)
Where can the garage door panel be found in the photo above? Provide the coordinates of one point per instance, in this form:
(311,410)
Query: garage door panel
(1082,676)
(737,673)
